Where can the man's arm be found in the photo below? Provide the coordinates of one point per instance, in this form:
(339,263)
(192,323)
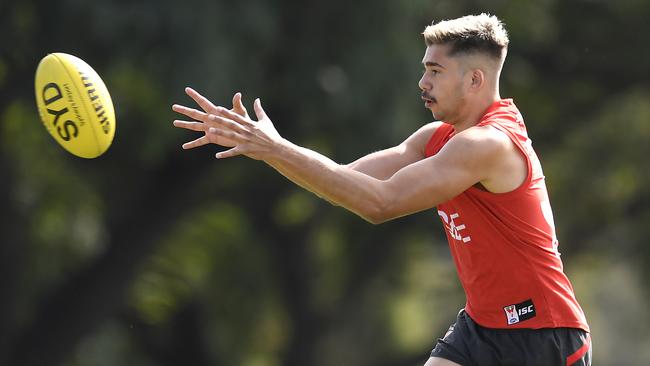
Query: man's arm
(383,164)
(380,164)
(471,156)
(419,186)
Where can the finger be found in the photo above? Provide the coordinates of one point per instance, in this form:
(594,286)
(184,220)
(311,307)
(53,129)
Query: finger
(259,111)
(229,153)
(238,106)
(203,140)
(194,126)
(228,124)
(236,100)
(229,115)
(229,134)
(202,101)
(190,112)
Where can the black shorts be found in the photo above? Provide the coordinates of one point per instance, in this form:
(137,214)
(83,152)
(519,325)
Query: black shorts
(470,344)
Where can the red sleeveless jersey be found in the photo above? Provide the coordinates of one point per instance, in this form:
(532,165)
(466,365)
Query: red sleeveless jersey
(504,244)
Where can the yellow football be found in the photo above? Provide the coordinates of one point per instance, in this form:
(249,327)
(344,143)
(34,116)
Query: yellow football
(74,105)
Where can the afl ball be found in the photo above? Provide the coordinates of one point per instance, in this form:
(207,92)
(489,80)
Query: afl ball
(74,105)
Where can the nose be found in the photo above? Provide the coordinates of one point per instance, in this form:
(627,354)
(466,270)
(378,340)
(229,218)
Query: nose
(424,84)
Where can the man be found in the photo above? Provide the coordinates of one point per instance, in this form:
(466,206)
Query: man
(478,168)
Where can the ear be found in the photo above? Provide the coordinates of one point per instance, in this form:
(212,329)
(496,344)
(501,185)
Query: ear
(478,79)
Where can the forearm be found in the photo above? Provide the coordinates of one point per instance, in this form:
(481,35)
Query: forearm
(280,168)
(340,185)
(362,194)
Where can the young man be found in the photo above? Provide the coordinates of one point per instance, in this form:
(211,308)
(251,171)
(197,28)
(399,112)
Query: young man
(479,170)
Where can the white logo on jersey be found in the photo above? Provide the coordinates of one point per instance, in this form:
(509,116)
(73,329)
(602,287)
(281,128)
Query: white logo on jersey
(453,229)
(511,314)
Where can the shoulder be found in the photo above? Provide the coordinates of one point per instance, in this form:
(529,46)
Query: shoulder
(482,139)
(417,142)
(429,128)
(490,153)
(480,148)
(425,132)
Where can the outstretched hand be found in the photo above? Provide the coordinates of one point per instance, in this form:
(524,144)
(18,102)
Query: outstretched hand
(229,128)
(204,123)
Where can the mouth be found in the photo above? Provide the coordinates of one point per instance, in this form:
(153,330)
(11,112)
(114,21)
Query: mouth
(428,102)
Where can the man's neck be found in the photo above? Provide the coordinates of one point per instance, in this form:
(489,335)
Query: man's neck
(475,111)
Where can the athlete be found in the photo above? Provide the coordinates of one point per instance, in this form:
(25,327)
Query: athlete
(478,168)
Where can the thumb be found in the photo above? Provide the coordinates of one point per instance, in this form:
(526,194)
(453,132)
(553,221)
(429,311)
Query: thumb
(259,111)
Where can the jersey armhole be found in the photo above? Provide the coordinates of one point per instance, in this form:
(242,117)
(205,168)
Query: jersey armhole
(438,139)
(529,166)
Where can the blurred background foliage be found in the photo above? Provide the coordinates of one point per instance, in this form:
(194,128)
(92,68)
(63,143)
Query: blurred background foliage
(150,255)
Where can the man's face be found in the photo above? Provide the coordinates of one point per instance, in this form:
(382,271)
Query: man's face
(442,83)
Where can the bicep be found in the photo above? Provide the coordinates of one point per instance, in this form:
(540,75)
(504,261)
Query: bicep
(385,163)
(429,182)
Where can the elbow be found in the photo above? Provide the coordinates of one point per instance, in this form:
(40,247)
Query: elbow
(379,207)
(376,220)
(377,213)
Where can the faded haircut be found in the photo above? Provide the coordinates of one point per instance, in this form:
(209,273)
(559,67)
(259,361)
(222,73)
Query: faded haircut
(482,33)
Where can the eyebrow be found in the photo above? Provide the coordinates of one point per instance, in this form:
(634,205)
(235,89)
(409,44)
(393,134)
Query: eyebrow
(433,64)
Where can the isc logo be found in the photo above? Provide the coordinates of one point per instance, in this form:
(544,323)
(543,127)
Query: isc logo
(519,312)
(526,310)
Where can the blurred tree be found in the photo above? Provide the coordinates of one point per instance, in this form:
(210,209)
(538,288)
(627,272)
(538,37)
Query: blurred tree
(150,255)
